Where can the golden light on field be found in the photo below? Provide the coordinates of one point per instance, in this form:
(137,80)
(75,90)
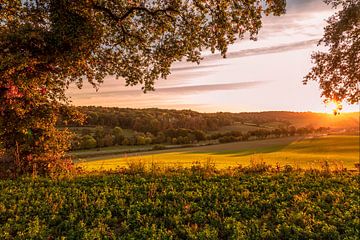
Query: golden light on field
(340,151)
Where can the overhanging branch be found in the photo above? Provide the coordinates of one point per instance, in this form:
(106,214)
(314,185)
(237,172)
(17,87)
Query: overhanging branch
(131,10)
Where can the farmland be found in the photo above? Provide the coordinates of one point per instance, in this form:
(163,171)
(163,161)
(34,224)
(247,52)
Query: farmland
(292,187)
(340,151)
(183,205)
(123,130)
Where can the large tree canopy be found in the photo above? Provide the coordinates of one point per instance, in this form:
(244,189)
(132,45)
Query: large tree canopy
(338,69)
(47,44)
(137,40)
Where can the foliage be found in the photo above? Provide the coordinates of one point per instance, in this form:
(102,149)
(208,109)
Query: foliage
(181,136)
(158,147)
(118,135)
(338,70)
(183,205)
(28,134)
(98,38)
(155,120)
(88,142)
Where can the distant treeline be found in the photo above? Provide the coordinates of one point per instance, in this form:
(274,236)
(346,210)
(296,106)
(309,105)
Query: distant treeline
(235,136)
(154,120)
(106,137)
(106,126)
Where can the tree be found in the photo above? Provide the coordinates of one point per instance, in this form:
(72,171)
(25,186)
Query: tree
(126,141)
(108,140)
(118,134)
(140,139)
(199,135)
(88,142)
(338,70)
(47,44)
(99,136)
(160,138)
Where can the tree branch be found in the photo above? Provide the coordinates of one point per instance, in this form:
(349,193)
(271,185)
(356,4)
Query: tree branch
(131,10)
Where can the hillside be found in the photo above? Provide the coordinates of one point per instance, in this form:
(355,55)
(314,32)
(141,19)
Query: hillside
(154,119)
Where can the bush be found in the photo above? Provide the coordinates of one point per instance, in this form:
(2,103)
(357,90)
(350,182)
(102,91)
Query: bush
(158,147)
(88,142)
(257,165)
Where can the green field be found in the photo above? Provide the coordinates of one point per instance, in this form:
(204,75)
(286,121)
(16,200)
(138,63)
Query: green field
(109,151)
(244,127)
(340,151)
(182,205)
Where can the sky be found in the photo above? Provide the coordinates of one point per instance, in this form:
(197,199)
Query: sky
(265,75)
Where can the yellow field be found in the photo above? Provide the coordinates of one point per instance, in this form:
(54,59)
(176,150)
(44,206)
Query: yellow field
(338,151)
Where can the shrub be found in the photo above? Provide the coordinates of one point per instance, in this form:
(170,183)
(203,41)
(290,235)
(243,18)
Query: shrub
(158,147)
(88,142)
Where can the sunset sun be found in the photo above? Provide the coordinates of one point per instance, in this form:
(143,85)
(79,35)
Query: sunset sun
(333,107)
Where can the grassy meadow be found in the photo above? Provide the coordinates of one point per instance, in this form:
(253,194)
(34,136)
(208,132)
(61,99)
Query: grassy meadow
(339,151)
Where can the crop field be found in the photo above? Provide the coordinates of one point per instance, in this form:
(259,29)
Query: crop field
(108,151)
(340,151)
(243,127)
(182,205)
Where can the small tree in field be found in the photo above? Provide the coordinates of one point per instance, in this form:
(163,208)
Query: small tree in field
(47,44)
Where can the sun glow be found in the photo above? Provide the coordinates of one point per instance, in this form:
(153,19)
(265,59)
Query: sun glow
(333,107)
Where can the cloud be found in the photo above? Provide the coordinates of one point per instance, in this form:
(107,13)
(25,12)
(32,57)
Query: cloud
(118,85)
(196,67)
(186,75)
(177,90)
(265,50)
(305,5)
(209,87)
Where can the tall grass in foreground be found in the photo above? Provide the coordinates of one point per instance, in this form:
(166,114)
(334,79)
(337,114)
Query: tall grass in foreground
(208,167)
